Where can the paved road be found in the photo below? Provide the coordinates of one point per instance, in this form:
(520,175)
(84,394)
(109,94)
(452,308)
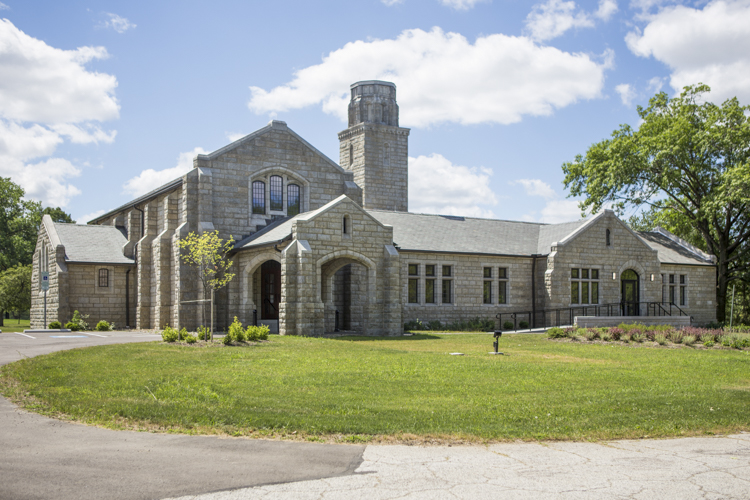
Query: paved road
(673,469)
(45,458)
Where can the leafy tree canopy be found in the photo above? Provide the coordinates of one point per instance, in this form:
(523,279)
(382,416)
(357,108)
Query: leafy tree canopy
(689,161)
(15,289)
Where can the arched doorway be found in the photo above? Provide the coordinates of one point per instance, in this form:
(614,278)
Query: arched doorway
(347,293)
(630,298)
(270,290)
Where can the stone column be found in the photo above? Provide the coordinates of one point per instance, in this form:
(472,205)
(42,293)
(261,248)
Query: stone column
(143,313)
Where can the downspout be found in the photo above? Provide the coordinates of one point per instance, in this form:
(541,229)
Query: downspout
(533,290)
(127,298)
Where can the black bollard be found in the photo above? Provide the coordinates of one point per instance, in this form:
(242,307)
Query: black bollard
(498,334)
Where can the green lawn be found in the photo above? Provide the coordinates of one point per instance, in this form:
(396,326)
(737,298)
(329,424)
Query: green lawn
(404,388)
(14,325)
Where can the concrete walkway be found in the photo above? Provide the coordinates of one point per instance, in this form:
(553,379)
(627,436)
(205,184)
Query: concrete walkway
(689,468)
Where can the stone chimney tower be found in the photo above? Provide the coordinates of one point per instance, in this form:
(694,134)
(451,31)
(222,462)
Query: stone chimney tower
(375,148)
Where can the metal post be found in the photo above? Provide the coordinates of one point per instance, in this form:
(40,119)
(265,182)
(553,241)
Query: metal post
(731,313)
(255,317)
(45,308)
(212,314)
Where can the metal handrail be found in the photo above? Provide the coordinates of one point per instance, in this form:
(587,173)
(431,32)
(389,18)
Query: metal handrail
(562,313)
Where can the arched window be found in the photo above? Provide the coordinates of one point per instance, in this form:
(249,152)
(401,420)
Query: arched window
(277,188)
(292,197)
(351,154)
(259,197)
(609,241)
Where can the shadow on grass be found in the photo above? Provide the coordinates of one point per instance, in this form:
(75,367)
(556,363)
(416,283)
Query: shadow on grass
(363,338)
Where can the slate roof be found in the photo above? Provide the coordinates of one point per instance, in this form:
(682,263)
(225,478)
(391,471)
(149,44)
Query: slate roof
(672,252)
(91,243)
(275,232)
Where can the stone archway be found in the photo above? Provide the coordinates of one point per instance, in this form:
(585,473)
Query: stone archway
(347,290)
(251,286)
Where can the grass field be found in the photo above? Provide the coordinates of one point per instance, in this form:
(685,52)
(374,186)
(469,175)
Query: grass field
(404,389)
(14,325)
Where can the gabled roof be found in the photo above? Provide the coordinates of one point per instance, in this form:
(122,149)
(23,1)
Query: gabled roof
(672,250)
(92,243)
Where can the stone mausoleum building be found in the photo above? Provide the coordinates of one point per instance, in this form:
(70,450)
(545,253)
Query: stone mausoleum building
(321,245)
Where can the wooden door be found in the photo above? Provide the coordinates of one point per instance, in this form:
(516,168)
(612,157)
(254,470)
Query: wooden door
(270,294)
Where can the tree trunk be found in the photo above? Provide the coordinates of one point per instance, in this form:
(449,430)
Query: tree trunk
(2,317)
(722,284)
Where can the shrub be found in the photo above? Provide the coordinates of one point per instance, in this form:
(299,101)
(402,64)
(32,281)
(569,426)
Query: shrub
(660,339)
(675,336)
(708,343)
(55,325)
(616,333)
(414,325)
(557,333)
(73,327)
(102,326)
(435,325)
(252,333)
(182,335)
(190,339)
(255,333)
(169,334)
(508,325)
(80,320)
(637,337)
(523,324)
(689,339)
(236,332)
(203,333)
(606,336)
(739,340)
(588,333)
(227,339)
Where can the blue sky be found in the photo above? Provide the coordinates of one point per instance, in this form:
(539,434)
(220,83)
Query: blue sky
(103,101)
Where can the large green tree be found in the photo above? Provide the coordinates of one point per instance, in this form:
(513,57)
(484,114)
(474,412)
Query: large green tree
(689,161)
(15,289)
(19,226)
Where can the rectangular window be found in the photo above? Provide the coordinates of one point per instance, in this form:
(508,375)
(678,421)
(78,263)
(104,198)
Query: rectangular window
(594,292)
(584,292)
(488,292)
(447,296)
(446,271)
(664,288)
(671,278)
(594,274)
(488,272)
(574,274)
(293,200)
(584,274)
(574,292)
(413,269)
(277,188)
(413,291)
(429,270)
(502,273)
(502,292)
(259,197)
(103,278)
(584,287)
(429,291)
(683,295)
(683,279)
(671,295)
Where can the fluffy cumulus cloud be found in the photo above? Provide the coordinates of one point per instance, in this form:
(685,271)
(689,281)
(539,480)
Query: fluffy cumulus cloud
(553,18)
(442,77)
(437,186)
(47,96)
(627,93)
(707,45)
(117,23)
(555,209)
(150,179)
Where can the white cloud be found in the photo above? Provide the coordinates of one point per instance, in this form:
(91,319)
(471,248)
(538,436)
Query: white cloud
(150,179)
(701,46)
(655,84)
(93,215)
(606,9)
(437,186)
(460,4)
(627,93)
(117,23)
(3,6)
(47,96)
(553,18)
(392,2)
(536,187)
(441,77)
(557,211)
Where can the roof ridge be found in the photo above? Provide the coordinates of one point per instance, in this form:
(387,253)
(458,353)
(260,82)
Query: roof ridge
(468,217)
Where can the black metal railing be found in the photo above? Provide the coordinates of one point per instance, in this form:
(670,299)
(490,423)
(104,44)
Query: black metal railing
(546,318)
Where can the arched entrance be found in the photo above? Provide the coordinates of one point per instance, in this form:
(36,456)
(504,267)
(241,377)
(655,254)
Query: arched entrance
(347,293)
(630,297)
(270,290)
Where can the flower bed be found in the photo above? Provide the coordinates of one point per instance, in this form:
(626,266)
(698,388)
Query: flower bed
(661,335)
